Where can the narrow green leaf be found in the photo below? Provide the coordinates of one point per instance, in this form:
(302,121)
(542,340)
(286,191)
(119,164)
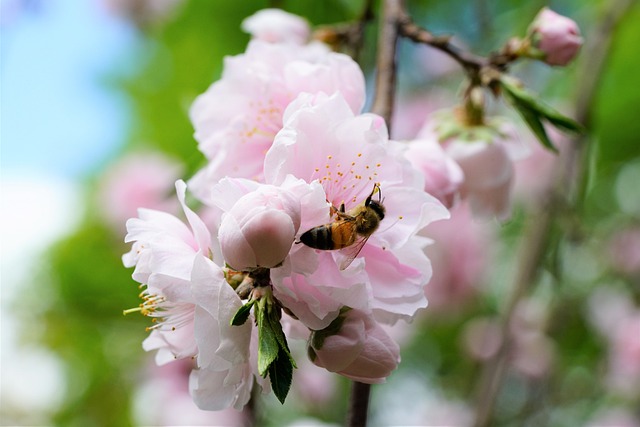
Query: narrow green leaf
(281,374)
(565,123)
(524,98)
(533,121)
(242,314)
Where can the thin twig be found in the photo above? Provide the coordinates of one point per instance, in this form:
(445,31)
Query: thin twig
(535,242)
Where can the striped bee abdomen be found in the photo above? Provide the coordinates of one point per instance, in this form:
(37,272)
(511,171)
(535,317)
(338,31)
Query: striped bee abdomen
(336,235)
(318,238)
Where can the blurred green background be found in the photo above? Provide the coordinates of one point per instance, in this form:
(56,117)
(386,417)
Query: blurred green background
(68,305)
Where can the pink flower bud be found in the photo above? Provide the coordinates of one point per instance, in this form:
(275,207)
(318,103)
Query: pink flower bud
(259,229)
(485,153)
(277,26)
(556,37)
(355,346)
(442,174)
(488,172)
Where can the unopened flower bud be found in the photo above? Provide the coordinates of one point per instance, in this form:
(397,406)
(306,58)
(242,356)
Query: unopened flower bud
(277,26)
(442,174)
(554,38)
(259,229)
(484,153)
(355,346)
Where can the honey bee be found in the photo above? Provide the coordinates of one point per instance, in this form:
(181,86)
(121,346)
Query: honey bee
(350,230)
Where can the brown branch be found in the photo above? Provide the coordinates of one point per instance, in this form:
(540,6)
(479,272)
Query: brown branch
(358,404)
(535,242)
(470,62)
(386,59)
(479,69)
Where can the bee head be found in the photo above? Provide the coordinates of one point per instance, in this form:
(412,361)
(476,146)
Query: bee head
(378,208)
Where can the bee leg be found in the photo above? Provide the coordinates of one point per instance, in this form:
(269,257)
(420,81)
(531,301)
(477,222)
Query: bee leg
(337,211)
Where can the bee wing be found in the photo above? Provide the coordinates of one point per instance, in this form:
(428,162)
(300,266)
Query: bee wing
(352,252)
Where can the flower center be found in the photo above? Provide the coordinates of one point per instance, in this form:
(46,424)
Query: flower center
(347,183)
(265,122)
(165,315)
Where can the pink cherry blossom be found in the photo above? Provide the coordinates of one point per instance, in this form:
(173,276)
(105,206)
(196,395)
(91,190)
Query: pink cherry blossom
(531,352)
(277,26)
(237,118)
(614,416)
(139,180)
(624,251)
(616,317)
(188,294)
(226,369)
(360,349)
(314,386)
(323,141)
(163,399)
(410,112)
(163,252)
(462,251)
(443,175)
(535,173)
(555,36)
(624,358)
(481,337)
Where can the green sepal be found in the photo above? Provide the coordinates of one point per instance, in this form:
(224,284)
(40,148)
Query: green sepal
(318,337)
(242,314)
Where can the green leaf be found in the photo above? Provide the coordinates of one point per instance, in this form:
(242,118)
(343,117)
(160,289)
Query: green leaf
(276,327)
(274,356)
(534,123)
(534,111)
(242,314)
(281,374)
(268,347)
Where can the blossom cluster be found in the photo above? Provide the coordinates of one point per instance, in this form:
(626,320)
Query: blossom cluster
(289,151)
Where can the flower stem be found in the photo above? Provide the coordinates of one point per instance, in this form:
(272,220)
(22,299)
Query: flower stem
(358,404)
